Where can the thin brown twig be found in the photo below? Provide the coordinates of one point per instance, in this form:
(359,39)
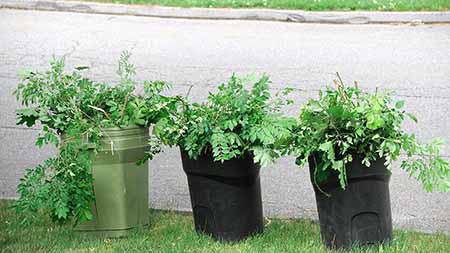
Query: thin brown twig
(340,79)
(189,91)
(357,92)
(341,87)
(100,109)
(101,129)
(122,112)
(338,85)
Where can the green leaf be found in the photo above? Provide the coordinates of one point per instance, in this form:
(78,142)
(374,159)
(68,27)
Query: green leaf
(140,122)
(340,167)
(24,73)
(375,122)
(314,106)
(29,121)
(27,112)
(412,117)
(39,141)
(399,104)
(82,67)
(61,212)
(326,146)
(263,156)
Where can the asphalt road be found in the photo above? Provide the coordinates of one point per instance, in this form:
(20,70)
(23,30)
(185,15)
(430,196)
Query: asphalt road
(412,60)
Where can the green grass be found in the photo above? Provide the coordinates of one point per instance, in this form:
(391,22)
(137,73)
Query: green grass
(174,232)
(313,5)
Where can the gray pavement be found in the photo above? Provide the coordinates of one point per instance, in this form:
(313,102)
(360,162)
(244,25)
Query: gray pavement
(413,60)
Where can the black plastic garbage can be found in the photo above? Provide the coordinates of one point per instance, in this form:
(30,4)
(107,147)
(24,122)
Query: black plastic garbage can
(360,214)
(225,197)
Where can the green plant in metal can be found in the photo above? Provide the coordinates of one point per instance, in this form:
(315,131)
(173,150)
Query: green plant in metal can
(78,108)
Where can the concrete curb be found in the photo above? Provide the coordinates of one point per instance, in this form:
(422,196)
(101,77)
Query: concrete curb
(334,17)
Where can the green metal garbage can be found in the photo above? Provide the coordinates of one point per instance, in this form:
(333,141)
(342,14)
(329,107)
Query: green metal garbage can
(120,185)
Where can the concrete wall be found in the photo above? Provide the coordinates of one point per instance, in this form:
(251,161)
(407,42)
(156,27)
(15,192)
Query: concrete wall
(413,60)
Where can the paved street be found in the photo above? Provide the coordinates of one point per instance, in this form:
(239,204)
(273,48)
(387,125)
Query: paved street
(412,60)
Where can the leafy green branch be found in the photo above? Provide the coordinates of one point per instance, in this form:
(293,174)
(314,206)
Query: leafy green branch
(346,122)
(73,112)
(232,122)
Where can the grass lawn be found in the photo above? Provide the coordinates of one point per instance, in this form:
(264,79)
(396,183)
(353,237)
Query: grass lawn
(313,5)
(174,232)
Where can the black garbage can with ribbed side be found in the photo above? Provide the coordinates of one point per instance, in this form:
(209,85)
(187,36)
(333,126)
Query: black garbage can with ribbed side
(358,215)
(225,197)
